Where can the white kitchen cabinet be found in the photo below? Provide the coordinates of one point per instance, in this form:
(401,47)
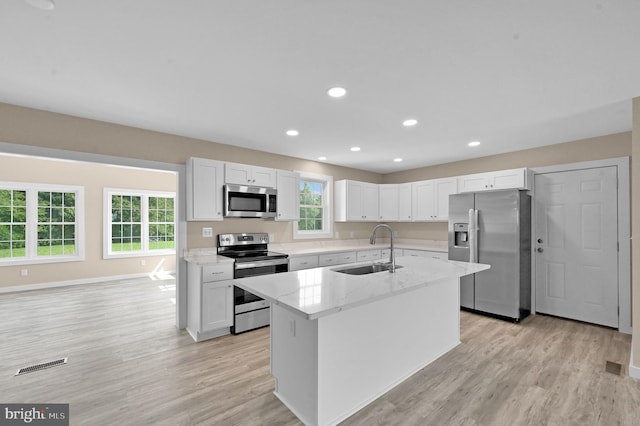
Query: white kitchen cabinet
(204,189)
(384,253)
(303,262)
(243,174)
(356,201)
(337,258)
(405,202)
(288,184)
(426,253)
(502,179)
(367,255)
(430,199)
(209,300)
(389,202)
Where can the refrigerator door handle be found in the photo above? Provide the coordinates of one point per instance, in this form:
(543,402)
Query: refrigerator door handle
(473,236)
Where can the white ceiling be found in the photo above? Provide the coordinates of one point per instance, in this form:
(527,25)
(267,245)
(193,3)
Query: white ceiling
(512,74)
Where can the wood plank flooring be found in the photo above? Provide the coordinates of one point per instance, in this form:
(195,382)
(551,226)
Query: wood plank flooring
(128,365)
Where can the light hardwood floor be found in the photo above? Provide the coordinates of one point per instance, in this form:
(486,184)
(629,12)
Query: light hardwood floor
(128,365)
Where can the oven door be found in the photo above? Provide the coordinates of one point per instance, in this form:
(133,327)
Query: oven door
(260,267)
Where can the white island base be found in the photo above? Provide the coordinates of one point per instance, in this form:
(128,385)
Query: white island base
(328,368)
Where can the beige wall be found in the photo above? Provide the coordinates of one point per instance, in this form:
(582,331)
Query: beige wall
(43,129)
(94,178)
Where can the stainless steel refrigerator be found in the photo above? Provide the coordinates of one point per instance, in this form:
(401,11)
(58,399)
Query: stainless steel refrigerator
(493,227)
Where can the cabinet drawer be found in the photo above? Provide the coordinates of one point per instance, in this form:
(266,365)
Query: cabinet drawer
(337,258)
(365,255)
(384,253)
(217,272)
(303,262)
(426,253)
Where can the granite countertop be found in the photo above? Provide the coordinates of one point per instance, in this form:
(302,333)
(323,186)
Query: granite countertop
(318,292)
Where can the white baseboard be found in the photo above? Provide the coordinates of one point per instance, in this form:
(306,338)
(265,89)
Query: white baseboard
(633,370)
(27,287)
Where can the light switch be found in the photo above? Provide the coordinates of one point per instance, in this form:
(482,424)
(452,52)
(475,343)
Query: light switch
(207,232)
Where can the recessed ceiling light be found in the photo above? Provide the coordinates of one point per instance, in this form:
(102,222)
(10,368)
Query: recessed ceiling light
(292,132)
(397,160)
(474,143)
(337,92)
(322,158)
(355,148)
(410,122)
(41,4)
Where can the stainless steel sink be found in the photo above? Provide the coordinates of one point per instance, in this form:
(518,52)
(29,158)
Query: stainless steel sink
(366,269)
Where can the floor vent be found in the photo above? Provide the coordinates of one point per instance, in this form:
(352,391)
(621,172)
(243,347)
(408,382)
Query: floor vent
(613,368)
(39,367)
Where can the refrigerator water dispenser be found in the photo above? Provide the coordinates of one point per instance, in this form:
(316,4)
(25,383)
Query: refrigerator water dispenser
(461,234)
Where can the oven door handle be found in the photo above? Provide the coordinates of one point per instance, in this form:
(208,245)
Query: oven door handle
(259,263)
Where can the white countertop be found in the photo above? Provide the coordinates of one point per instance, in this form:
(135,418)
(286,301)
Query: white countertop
(205,257)
(331,246)
(317,292)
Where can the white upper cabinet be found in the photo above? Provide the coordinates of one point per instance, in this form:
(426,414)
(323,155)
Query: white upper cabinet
(204,189)
(242,174)
(389,202)
(503,179)
(405,202)
(288,195)
(356,201)
(430,199)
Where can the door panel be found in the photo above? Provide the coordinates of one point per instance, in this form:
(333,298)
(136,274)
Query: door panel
(577,256)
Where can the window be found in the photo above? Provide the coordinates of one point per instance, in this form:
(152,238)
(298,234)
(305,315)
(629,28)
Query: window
(315,207)
(139,223)
(40,223)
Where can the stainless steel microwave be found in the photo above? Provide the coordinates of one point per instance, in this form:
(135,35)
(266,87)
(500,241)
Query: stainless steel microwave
(249,201)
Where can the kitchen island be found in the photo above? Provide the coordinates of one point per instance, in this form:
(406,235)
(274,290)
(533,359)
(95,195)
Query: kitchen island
(339,341)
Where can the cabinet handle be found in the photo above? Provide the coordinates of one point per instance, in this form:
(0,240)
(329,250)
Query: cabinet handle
(217,273)
(303,263)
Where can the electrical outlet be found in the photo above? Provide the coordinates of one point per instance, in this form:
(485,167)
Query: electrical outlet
(24,272)
(337,235)
(143,262)
(272,238)
(207,232)
(351,234)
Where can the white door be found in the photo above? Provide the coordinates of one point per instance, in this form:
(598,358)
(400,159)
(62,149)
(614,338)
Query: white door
(576,245)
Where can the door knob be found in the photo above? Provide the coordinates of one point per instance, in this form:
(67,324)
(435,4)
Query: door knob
(539,240)
(540,250)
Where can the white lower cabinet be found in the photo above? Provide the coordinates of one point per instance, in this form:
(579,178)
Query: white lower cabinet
(303,262)
(365,255)
(426,253)
(337,258)
(210,300)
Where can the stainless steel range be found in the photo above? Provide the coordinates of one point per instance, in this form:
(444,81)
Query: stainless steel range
(252,257)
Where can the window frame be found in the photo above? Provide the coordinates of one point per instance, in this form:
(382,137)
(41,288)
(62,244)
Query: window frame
(108,193)
(327,206)
(31,245)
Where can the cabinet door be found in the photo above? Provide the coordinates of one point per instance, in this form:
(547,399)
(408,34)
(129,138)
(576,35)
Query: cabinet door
(204,189)
(355,193)
(473,183)
(507,179)
(370,202)
(262,176)
(239,174)
(388,202)
(404,203)
(443,188)
(288,195)
(423,200)
(217,305)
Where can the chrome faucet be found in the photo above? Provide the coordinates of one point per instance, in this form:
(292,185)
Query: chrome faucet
(392,256)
